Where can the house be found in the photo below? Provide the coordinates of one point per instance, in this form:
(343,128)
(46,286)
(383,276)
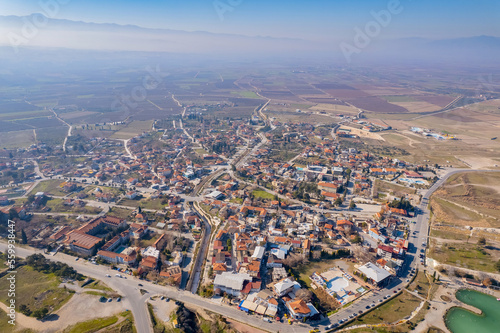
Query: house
(284,287)
(231,283)
(376,275)
(131,195)
(374,233)
(328,187)
(385,251)
(219,268)
(300,310)
(127,257)
(173,274)
(138,230)
(259,252)
(148,263)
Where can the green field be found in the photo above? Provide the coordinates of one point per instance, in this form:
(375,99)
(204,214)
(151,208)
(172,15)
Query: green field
(35,290)
(122,213)
(396,190)
(98,285)
(421,285)
(6,327)
(246,94)
(466,255)
(263,195)
(392,311)
(105,189)
(93,325)
(57,206)
(49,186)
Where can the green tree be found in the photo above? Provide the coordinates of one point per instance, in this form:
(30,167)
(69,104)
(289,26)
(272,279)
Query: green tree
(40,313)
(352,205)
(25,310)
(481,241)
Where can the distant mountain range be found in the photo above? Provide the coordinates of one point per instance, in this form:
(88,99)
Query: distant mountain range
(60,33)
(108,36)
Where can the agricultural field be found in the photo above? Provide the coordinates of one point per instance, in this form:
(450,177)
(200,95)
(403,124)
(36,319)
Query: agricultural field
(52,135)
(335,109)
(133,129)
(299,117)
(17,138)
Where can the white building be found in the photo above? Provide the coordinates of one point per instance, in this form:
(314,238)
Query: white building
(231,283)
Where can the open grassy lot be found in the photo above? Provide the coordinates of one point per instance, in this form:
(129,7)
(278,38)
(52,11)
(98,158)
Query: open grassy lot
(99,285)
(143,203)
(6,327)
(105,189)
(49,186)
(450,233)
(57,205)
(394,189)
(93,325)
(263,195)
(469,199)
(421,284)
(466,255)
(391,311)
(122,213)
(36,290)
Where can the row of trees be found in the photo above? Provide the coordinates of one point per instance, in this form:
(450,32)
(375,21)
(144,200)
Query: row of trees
(402,204)
(40,264)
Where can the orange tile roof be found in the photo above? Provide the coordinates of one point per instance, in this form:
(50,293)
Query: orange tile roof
(299,306)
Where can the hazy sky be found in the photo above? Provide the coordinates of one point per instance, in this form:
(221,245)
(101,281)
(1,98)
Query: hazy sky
(317,20)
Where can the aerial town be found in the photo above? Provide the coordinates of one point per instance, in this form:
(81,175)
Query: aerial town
(234,166)
(212,207)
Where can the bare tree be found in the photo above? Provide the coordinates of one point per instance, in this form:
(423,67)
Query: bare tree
(362,254)
(304,294)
